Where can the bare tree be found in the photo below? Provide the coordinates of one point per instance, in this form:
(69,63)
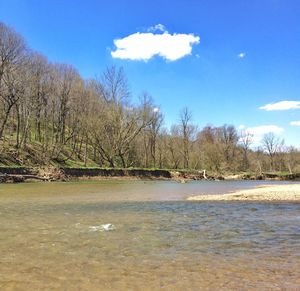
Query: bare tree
(292,157)
(246,139)
(272,145)
(187,131)
(174,145)
(209,148)
(40,89)
(65,79)
(12,57)
(114,85)
(228,139)
(121,122)
(154,118)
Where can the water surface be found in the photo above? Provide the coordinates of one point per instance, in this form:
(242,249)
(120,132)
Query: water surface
(51,238)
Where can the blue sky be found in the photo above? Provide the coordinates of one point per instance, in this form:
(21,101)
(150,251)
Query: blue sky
(213,81)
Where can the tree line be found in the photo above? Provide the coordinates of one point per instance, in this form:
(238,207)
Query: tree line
(50,114)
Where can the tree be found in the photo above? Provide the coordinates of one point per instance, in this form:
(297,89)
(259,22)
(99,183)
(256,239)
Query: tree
(272,145)
(120,123)
(40,86)
(246,139)
(65,78)
(151,131)
(113,85)
(209,148)
(228,139)
(12,58)
(292,158)
(174,144)
(187,131)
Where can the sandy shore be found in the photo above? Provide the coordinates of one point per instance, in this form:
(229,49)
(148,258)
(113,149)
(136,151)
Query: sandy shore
(263,193)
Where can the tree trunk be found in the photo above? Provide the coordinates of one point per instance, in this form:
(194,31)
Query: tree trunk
(5,120)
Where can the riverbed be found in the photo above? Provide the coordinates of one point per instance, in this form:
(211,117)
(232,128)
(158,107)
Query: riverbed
(145,235)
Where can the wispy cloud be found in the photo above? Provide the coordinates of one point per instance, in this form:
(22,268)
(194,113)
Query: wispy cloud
(259,131)
(295,123)
(143,46)
(282,105)
(157,27)
(241,55)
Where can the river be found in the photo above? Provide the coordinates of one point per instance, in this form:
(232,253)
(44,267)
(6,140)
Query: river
(144,235)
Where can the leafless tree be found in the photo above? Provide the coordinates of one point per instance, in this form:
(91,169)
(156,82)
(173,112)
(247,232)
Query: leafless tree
(245,140)
(272,145)
(187,131)
(154,118)
(228,139)
(114,85)
(12,58)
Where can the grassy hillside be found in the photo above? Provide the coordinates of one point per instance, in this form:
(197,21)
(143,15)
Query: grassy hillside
(34,155)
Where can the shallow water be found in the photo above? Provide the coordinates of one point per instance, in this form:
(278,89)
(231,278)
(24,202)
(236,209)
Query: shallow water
(53,237)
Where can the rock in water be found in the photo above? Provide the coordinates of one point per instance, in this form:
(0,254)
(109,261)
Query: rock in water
(108,226)
(102,227)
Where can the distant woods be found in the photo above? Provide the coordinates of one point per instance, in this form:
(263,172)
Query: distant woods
(50,115)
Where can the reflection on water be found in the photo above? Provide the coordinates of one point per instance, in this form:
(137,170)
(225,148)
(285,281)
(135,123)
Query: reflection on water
(46,240)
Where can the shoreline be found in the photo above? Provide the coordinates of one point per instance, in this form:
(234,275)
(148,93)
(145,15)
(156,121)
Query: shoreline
(289,192)
(50,173)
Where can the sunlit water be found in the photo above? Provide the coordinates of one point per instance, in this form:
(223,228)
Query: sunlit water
(144,236)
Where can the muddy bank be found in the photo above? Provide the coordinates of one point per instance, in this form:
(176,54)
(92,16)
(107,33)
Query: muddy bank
(16,171)
(265,176)
(17,175)
(100,172)
(11,178)
(21,174)
(264,193)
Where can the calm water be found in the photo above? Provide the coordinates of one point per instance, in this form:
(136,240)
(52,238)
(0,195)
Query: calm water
(52,237)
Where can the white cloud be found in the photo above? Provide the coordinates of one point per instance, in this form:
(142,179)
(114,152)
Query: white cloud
(242,126)
(282,105)
(157,27)
(259,131)
(263,129)
(143,46)
(295,123)
(241,55)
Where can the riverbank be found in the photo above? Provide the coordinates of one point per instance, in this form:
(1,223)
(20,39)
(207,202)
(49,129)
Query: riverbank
(289,192)
(21,174)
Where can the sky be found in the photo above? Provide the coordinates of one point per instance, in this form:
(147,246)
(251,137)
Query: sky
(230,62)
